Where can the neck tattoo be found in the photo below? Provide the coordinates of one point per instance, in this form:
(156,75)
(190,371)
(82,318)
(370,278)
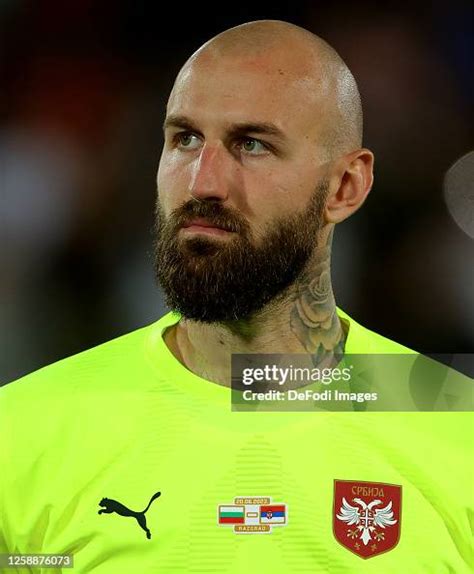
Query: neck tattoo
(313,317)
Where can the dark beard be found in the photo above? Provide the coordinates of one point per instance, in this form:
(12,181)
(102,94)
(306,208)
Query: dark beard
(213,280)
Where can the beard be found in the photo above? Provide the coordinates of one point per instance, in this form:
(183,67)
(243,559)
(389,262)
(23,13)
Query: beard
(221,280)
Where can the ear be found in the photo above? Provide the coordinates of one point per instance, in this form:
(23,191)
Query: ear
(349,184)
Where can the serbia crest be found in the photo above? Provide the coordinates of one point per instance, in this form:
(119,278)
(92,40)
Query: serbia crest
(366,516)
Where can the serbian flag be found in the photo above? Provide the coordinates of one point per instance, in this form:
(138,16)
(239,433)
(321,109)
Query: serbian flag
(273,514)
(231,514)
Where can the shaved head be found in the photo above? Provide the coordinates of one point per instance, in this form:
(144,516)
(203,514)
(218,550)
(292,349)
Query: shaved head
(298,56)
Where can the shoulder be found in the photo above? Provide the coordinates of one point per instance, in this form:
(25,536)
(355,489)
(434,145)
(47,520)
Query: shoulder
(104,367)
(363,340)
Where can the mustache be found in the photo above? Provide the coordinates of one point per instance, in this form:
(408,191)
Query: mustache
(212,211)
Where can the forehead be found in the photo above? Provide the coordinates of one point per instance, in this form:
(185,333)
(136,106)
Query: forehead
(249,88)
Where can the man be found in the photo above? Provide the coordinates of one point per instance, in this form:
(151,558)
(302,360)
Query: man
(262,157)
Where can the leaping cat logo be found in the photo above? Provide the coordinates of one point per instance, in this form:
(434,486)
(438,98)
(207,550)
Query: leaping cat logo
(114,506)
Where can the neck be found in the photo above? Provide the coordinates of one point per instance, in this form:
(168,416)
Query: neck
(302,320)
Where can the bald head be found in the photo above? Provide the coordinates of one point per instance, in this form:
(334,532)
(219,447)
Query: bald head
(299,57)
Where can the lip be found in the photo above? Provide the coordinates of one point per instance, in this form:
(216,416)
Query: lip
(203,226)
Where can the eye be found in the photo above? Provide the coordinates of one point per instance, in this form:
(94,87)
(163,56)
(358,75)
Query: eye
(186,140)
(253,146)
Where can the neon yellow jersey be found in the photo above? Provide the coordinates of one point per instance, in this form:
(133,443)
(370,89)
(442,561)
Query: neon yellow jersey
(123,458)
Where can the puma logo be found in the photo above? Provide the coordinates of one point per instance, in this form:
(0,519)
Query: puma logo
(115,506)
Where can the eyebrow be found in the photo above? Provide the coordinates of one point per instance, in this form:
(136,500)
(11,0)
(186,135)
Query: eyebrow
(178,122)
(235,130)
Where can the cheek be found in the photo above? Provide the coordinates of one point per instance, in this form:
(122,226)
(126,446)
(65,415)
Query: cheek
(172,181)
(267,198)
(279,197)
(294,190)
(279,192)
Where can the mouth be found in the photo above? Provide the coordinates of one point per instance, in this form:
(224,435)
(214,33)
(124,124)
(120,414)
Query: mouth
(203,226)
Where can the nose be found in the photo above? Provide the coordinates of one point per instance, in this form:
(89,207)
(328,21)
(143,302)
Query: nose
(210,175)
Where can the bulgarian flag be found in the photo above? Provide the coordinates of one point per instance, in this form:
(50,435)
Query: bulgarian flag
(231,514)
(273,514)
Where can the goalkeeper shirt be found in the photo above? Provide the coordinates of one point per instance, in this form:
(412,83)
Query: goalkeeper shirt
(127,461)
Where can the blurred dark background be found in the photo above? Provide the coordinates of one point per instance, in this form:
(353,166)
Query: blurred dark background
(83,91)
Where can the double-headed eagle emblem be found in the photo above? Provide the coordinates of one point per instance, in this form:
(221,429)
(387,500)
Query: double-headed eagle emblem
(365,519)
